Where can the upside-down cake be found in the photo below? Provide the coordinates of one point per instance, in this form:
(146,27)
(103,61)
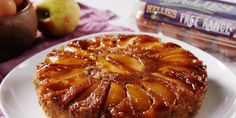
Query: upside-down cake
(121,76)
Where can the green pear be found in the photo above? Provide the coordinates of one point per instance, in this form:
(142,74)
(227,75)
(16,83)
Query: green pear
(57,17)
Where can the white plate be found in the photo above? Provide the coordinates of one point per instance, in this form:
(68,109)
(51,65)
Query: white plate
(18,97)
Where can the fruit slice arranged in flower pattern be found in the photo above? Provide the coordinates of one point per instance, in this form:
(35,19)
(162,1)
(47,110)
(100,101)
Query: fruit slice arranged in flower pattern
(122,76)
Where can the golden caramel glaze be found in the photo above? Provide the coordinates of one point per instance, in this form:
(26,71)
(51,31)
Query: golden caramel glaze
(121,76)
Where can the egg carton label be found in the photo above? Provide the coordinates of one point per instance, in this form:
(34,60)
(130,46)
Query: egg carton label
(213,17)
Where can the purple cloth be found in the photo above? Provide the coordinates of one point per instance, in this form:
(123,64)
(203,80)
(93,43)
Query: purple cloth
(1,115)
(92,21)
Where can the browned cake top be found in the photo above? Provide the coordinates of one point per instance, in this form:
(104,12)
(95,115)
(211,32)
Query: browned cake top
(116,75)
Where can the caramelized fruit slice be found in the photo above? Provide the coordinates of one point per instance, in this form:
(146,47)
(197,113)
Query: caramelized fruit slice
(70,49)
(82,53)
(74,91)
(64,75)
(179,83)
(169,68)
(165,77)
(151,45)
(91,105)
(115,96)
(175,56)
(107,41)
(108,66)
(64,80)
(123,110)
(87,92)
(148,43)
(159,90)
(64,61)
(126,60)
(138,96)
(127,42)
